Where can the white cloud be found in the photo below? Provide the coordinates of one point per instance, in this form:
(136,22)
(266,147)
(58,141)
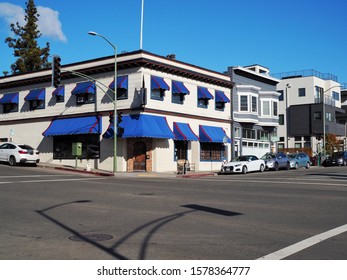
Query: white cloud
(48,21)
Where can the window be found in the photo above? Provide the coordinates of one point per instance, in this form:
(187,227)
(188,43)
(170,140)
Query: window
(275,109)
(249,133)
(254,104)
(266,108)
(10,107)
(158,88)
(280,146)
(203,102)
(302,92)
(177,98)
(36,104)
(237,132)
(318,96)
(157,94)
(317,116)
(83,98)
(336,96)
(329,117)
(212,152)
(297,138)
(280,98)
(181,148)
(281,119)
(244,103)
(220,106)
(62,146)
(264,135)
(298,145)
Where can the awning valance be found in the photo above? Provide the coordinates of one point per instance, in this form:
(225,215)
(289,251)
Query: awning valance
(142,125)
(10,98)
(204,93)
(84,87)
(159,83)
(36,94)
(72,126)
(213,134)
(221,97)
(122,82)
(182,131)
(59,91)
(179,87)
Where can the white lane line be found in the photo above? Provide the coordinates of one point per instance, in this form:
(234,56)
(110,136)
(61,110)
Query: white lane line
(34,176)
(292,249)
(56,180)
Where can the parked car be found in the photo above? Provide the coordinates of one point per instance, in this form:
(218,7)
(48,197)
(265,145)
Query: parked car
(275,161)
(243,164)
(18,153)
(299,160)
(337,158)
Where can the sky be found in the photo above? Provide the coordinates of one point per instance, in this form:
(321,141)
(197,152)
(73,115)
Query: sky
(281,35)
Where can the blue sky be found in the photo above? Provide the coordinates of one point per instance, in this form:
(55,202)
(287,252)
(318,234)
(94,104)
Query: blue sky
(281,35)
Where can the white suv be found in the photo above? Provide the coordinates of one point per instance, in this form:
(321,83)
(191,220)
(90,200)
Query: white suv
(18,153)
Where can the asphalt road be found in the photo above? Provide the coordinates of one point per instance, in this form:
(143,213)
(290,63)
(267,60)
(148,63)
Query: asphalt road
(50,214)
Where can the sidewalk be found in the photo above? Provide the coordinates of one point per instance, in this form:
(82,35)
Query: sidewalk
(98,172)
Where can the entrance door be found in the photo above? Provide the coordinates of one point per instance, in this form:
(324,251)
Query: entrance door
(140,156)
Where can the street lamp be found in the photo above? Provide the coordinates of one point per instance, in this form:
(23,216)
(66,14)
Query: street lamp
(287,110)
(114,101)
(324,117)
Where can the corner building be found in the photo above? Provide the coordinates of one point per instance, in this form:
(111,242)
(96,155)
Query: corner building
(170,110)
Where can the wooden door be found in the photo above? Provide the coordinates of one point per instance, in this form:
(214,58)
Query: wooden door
(139,156)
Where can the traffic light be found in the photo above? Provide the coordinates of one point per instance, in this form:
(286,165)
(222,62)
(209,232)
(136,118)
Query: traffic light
(119,118)
(120,130)
(56,71)
(111,118)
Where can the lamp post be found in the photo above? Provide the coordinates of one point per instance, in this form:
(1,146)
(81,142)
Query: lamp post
(287,117)
(114,101)
(324,117)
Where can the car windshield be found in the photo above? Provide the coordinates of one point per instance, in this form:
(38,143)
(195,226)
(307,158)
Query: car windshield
(292,156)
(268,156)
(338,154)
(241,158)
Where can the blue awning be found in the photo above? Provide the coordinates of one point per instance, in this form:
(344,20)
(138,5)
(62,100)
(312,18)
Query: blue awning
(36,94)
(122,82)
(183,131)
(59,91)
(142,125)
(221,97)
(10,98)
(179,87)
(204,93)
(72,126)
(213,134)
(84,87)
(159,83)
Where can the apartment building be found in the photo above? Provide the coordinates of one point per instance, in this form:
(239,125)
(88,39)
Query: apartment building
(255,110)
(169,109)
(309,106)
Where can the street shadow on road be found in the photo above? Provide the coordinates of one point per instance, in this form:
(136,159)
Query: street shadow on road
(331,175)
(157,223)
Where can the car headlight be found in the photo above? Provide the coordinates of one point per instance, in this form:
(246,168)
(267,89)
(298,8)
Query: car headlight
(237,165)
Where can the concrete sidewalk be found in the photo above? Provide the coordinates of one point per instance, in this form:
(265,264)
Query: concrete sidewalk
(98,172)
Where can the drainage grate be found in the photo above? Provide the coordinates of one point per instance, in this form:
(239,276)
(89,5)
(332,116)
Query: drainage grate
(91,237)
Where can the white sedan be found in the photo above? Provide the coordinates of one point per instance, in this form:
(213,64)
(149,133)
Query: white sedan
(18,153)
(243,164)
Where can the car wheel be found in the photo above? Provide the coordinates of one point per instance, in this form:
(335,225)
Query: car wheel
(244,169)
(276,166)
(262,168)
(12,161)
(307,165)
(296,165)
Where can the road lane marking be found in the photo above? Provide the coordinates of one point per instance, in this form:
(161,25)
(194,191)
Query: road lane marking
(297,247)
(33,176)
(55,180)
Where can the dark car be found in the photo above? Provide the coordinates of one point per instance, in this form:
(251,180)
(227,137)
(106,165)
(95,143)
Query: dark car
(276,161)
(337,158)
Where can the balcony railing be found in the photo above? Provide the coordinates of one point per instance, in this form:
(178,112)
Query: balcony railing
(305,73)
(327,100)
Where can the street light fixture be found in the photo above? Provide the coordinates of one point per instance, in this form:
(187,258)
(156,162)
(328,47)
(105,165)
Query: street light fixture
(287,110)
(114,101)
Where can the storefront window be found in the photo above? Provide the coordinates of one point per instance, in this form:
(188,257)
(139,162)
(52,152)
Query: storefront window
(213,152)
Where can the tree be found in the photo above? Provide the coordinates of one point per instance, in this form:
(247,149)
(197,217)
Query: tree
(331,143)
(30,56)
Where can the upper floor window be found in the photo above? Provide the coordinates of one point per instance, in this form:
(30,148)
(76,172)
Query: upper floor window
(281,97)
(336,96)
(221,99)
(59,94)
(122,87)
(36,98)
(275,108)
(158,88)
(10,102)
(254,104)
(179,91)
(203,97)
(244,103)
(266,108)
(281,119)
(84,92)
(302,92)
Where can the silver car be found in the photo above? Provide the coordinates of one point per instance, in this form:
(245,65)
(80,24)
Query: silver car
(275,161)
